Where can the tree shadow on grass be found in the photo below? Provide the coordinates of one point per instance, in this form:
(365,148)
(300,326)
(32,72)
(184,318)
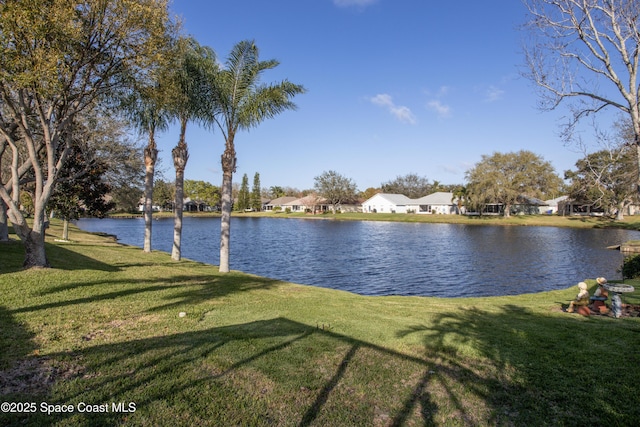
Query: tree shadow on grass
(504,367)
(265,372)
(174,291)
(546,370)
(23,375)
(12,257)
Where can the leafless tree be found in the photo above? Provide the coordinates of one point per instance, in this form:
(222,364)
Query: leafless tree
(585,53)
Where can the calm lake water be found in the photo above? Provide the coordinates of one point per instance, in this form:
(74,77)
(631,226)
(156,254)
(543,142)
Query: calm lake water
(389,258)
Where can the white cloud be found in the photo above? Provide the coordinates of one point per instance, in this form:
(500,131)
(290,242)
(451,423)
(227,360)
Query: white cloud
(401,112)
(493,94)
(359,3)
(443,111)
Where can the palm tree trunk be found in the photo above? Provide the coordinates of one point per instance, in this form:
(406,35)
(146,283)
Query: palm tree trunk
(180,158)
(150,158)
(228,167)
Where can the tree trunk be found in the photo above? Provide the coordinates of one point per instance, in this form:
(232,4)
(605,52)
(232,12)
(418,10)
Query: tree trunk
(507,211)
(33,241)
(638,160)
(4,223)
(620,212)
(150,158)
(180,157)
(228,167)
(65,229)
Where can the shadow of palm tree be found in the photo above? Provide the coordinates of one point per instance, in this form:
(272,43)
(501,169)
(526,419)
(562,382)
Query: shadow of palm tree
(242,374)
(475,367)
(193,290)
(529,366)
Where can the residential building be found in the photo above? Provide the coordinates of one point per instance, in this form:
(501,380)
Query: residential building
(386,203)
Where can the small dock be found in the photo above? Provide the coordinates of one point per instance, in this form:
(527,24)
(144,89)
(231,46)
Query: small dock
(631,247)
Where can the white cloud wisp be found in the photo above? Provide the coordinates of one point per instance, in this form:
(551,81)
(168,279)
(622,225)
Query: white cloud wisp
(401,112)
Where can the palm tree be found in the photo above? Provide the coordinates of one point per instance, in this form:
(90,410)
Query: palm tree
(147,110)
(459,196)
(193,64)
(239,102)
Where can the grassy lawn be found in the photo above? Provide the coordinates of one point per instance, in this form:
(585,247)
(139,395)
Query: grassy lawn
(102,331)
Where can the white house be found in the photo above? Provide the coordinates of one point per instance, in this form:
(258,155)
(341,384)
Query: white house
(551,207)
(437,203)
(386,203)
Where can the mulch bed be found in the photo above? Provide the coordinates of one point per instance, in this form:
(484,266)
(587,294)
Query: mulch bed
(628,310)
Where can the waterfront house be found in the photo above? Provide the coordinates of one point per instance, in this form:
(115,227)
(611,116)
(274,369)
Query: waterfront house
(279,203)
(310,203)
(437,203)
(386,203)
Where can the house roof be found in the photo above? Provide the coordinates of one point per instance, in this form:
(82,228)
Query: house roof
(396,199)
(281,201)
(438,198)
(554,202)
(309,200)
(531,201)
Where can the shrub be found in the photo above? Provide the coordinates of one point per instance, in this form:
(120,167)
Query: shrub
(631,267)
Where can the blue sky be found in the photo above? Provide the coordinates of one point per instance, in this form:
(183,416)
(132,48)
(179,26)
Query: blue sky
(393,87)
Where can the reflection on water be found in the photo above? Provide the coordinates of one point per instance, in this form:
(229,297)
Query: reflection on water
(388,258)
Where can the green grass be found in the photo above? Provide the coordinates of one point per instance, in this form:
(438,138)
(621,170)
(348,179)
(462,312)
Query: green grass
(102,327)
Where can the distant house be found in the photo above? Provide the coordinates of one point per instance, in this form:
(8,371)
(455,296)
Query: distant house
(309,203)
(196,206)
(551,206)
(188,206)
(444,203)
(386,203)
(528,206)
(437,203)
(569,206)
(279,203)
(525,205)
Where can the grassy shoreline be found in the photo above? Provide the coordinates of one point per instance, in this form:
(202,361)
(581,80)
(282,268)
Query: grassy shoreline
(103,327)
(630,222)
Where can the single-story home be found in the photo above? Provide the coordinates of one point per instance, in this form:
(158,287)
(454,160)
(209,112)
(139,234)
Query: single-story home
(575,207)
(444,203)
(187,206)
(310,203)
(551,206)
(524,206)
(437,203)
(279,203)
(386,203)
